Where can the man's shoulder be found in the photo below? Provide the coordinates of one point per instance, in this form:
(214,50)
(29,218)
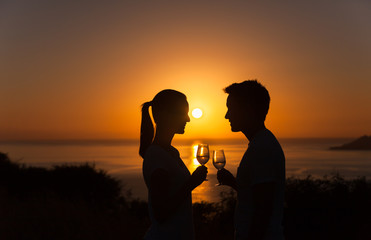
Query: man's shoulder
(266,147)
(265,140)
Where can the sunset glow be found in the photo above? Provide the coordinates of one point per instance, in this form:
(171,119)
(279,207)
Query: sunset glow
(90,83)
(151,119)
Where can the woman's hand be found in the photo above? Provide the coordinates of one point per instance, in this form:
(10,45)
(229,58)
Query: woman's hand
(198,176)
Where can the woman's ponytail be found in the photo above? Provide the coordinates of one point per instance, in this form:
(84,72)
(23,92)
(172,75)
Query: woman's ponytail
(146,129)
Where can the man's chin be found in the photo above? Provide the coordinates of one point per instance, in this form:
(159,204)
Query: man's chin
(234,129)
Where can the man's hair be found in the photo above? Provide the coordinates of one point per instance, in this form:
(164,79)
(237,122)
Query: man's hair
(251,93)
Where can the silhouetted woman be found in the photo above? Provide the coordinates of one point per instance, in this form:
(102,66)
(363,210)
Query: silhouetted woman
(168,180)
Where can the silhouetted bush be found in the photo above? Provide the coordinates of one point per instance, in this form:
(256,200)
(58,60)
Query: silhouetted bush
(328,208)
(81,202)
(66,202)
(215,220)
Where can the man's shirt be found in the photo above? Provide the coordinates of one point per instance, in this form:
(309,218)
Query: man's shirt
(263,162)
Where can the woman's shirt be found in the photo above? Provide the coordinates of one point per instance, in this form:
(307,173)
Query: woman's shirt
(179,224)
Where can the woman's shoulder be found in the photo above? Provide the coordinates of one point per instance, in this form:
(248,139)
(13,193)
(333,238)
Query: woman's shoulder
(154,151)
(156,158)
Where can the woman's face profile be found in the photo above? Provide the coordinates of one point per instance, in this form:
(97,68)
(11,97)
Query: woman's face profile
(179,117)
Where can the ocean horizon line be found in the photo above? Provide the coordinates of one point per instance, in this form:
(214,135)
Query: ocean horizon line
(119,141)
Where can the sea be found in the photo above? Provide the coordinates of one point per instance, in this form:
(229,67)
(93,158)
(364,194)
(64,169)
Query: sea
(120,159)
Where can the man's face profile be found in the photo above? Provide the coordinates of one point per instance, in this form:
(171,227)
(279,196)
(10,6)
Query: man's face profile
(233,114)
(241,117)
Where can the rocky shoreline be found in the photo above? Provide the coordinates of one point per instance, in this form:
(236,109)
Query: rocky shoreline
(362,143)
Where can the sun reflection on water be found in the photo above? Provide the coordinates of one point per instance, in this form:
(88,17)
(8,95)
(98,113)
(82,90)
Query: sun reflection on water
(201,192)
(192,162)
(194,154)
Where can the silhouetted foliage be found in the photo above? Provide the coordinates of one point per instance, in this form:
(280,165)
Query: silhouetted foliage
(81,202)
(66,202)
(328,208)
(215,220)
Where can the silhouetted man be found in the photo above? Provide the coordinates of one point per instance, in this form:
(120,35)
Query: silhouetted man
(260,178)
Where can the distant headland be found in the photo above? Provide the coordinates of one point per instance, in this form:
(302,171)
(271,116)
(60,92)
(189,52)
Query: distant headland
(362,143)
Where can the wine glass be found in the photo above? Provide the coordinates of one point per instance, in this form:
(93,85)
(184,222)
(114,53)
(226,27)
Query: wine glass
(219,160)
(203,154)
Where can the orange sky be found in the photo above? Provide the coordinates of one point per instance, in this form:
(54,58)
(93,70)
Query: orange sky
(69,70)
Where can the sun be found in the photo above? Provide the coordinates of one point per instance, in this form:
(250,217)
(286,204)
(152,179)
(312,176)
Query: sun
(197,113)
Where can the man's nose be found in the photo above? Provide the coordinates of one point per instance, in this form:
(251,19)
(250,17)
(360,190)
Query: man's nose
(226,115)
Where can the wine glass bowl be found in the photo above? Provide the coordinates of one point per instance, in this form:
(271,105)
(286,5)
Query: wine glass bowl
(203,155)
(218,160)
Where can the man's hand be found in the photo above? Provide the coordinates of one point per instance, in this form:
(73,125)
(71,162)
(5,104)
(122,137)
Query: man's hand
(225,177)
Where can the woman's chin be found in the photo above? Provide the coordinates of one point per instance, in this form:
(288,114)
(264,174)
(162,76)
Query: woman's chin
(180,131)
